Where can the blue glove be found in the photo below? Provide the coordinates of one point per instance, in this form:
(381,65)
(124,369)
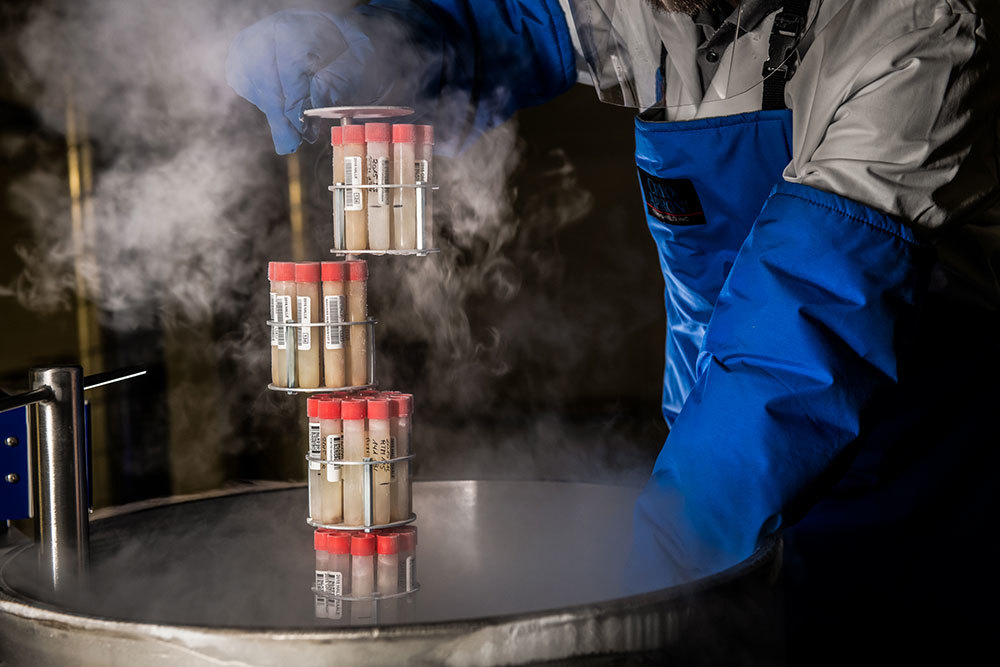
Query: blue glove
(286,61)
(803,337)
(464,65)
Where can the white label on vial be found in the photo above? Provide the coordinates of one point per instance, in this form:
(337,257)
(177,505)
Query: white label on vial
(334,452)
(411,572)
(334,586)
(378,174)
(315,445)
(421,171)
(352,176)
(305,317)
(274,318)
(284,307)
(333,311)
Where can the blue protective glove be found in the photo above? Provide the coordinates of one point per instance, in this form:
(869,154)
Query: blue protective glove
(295,60)
(804,335)
(464,65)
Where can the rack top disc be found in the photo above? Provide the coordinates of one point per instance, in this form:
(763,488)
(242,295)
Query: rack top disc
(360,113)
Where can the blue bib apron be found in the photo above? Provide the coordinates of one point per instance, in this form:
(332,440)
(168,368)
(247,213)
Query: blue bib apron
(811,384)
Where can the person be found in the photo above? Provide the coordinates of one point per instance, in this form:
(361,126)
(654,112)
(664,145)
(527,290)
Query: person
(821,182)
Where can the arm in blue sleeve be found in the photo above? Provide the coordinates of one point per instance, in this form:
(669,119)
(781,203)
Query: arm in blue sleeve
(481,60)
(804,334)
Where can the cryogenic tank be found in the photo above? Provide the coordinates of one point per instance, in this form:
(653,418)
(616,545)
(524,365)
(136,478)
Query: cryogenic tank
(509,573)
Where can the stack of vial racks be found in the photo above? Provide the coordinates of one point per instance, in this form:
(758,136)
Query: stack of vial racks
(322,339)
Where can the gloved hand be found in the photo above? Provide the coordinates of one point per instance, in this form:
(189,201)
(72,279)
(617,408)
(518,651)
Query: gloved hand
(464,65)
(298,59)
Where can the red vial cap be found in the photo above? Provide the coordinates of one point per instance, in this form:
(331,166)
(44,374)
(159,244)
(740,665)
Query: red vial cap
(378,408)
(329,409)
(363,545)
(388,543)
(402,133)
(312,406)
(319,540)
(403,405)
(336,136)
(357,270)
(424,134)
(393,407)
(341,394)
(338,542)
(407,541)
(307,272)
(352,409)
(284,271)
(333,271)
(270,270)
(353,134)
(377,132)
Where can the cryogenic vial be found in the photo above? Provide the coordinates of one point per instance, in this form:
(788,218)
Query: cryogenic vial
(337,153)
(353,415)
(338,574)
(322,567)
(404,221)
(377,173)
(334,310)
(423,148)
(380,449)
(333,450)
(407,557)
(362,576)
(387,577)
(399,431)
(284,297)
(272,315)
(307,311)
(357,311)
(354,198)
(315,468)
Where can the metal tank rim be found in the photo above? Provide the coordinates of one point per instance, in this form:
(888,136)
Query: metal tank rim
(628,624)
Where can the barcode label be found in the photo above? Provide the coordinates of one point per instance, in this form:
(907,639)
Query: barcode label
(315,445)
(334,586)
(305,317)
(274,318)
(284,308)
(378,174)
(334,452)
(333,312)
(411,572)
(421,171)
(352,176)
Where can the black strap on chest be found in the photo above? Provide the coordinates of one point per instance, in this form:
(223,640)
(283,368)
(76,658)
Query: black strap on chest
(782,57)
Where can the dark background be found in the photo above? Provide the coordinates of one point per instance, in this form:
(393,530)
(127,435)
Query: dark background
(585,404)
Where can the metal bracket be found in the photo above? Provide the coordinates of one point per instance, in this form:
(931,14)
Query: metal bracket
(15,472)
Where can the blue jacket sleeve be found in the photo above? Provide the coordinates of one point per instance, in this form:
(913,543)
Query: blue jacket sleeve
(483,59)
(804,334)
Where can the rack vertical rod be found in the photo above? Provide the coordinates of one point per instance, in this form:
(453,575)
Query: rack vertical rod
(421,201)
(339,219)
(367,486)
(57,427)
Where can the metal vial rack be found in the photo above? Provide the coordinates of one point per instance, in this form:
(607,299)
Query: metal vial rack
(291,347)
(368,491)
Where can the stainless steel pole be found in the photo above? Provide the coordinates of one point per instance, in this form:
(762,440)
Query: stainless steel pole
(63,522)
